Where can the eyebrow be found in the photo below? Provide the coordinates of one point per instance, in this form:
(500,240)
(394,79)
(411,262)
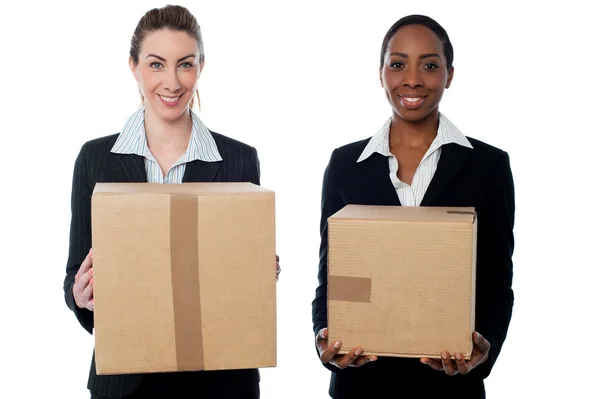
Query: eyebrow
(427,55)
(163,60)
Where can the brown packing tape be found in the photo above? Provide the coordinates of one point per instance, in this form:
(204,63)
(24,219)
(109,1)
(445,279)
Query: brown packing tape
(185,282)
(349,289)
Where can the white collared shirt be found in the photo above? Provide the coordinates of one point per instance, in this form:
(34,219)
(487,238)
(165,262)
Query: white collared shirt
(412,195)
(133,140)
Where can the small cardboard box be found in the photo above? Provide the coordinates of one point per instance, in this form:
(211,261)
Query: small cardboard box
(401,280)
(184,277)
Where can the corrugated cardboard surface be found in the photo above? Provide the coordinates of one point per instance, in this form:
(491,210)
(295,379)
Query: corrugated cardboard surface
(183,277)
(402,280)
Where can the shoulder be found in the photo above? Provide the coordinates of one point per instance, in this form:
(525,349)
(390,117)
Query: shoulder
(95,153)
(99,146)
(483,154)
(229,147)
(94,156)
(348,154)
(488,155)
(491,165)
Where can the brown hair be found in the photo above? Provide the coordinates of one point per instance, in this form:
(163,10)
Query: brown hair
(175,18)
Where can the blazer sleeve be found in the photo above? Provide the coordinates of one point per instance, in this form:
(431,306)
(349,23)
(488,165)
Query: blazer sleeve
(494,300)
(331,202)
(253,169)
(80,240)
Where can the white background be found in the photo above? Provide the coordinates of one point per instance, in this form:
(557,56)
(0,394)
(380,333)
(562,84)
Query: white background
(296,80)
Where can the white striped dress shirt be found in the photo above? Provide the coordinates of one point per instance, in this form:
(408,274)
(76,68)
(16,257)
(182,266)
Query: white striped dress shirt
(412,195)
(133,140)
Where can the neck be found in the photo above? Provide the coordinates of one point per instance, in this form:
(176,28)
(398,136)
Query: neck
(414,134)
(167,135)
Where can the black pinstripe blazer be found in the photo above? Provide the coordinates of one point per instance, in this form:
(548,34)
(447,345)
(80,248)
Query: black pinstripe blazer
(95,163)
(481,178)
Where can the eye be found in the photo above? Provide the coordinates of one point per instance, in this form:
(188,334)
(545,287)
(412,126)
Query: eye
(186,65)
(396,64)
(156,65)
(431,66)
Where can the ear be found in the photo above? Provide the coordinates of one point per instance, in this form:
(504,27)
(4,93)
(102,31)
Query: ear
(132,67)
(450,77)
(200,68)
(380,76)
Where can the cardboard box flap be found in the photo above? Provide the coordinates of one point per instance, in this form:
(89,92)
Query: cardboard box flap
(185,188)
(404,213)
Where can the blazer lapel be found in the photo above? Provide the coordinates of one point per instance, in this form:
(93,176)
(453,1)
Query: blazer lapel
(200,171)
(128,168)
(452,160)
(377,171)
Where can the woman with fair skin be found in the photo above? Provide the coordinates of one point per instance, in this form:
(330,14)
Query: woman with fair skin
(419,158)
(162,142)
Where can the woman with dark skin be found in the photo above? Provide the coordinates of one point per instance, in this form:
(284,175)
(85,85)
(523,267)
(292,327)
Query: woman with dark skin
(419,158)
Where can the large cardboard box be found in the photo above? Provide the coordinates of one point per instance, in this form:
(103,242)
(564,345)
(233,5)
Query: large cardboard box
(401,280)
(184,277)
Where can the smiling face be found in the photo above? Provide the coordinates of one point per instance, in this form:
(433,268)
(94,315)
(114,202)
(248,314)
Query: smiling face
(167,72)
(414,74)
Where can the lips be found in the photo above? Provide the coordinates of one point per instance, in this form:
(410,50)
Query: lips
(170,101)
(412,101)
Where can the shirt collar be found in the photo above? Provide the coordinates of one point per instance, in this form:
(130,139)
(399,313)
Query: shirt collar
(447,133)
(132,140)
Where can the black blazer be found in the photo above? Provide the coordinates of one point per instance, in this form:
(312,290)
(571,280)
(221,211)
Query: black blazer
(480,177)
(95,163)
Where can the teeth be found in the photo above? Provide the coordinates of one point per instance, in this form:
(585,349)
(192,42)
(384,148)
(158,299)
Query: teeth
(412,99)
(170,99)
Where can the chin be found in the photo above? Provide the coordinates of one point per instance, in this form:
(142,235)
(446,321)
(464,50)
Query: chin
(416,115)
(169,114)
(412,116)
(173,115)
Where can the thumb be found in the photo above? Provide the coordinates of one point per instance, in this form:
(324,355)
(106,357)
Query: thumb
(481,344)
(322,335)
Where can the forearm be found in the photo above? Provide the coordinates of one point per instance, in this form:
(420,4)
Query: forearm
(84,316)
(331,202)
(319,309)
(495,296)
(80,239)
(319,304)
(494,327)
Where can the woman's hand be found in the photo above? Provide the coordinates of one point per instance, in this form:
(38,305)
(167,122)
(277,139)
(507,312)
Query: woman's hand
(329,354)
(460,365)
(83,289)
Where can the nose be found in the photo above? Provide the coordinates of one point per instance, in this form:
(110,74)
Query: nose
(171,81)
(412,78)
